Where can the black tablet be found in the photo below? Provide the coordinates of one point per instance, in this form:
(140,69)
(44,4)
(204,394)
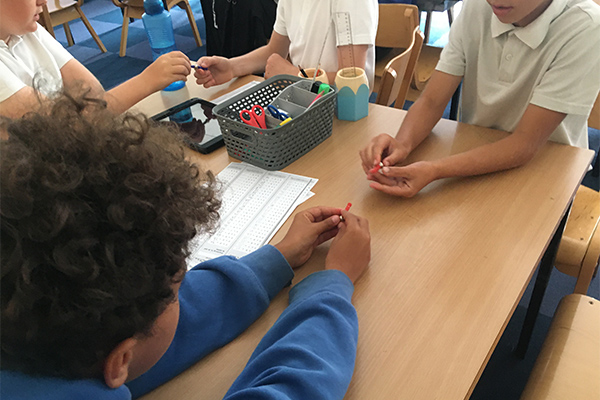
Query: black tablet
(196,119)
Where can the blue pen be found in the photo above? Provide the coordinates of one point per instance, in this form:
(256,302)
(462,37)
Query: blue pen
(196,66)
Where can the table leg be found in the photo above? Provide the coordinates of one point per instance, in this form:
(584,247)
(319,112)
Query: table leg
(539,288)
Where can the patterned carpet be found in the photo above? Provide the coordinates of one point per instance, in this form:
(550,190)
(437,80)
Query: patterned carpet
(107,19)
(505,375)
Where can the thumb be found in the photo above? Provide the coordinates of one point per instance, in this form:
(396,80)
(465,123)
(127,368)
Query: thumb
(327,224)
(206,62)
(396,172)
(393,159)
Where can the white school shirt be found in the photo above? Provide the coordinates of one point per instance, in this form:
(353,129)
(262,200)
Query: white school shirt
(309,23)
(36,54)
(554,63)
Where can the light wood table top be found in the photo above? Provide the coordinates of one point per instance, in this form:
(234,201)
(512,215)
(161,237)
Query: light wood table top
(448,267)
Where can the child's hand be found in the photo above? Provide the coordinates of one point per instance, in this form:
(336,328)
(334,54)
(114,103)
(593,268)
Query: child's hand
(382,148)
(350,251)
(166,69)
(277,65)
(217,70)
(405,181)
(309,229)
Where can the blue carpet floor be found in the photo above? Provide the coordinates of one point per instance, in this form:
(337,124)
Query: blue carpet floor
(505,375)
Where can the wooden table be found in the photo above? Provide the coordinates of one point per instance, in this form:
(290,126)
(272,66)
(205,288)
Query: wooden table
(448,268)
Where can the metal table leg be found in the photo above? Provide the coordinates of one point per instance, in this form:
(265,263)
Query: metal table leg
(541,282)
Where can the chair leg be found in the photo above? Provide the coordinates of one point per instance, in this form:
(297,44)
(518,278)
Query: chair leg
(68,34)
(190,14)
(450,12)
(46,21)
(427,27)
(90,29)
(124,32)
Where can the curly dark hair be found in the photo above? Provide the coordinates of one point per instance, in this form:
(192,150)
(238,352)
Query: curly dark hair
(97,211)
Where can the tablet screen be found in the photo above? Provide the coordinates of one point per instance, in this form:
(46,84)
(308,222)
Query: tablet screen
(196,119)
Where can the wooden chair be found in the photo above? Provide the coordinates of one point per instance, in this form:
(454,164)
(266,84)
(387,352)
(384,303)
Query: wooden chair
(568,366)
(395,31)
(60,12)
(135,9)
(398,73)
(579,250)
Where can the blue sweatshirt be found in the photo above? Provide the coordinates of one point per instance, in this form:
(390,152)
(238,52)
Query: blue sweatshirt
(309,352)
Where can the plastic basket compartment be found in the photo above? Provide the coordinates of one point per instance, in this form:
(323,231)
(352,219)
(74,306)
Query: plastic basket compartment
(276,147)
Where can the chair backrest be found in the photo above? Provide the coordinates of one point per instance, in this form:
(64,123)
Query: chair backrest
(56,5)
(397,23)
(398,73)
(135,8)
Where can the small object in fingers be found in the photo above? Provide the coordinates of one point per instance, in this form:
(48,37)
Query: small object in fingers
(376,168)
(347,209)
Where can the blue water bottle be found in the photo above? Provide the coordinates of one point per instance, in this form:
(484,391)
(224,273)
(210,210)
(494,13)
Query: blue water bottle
(159,29)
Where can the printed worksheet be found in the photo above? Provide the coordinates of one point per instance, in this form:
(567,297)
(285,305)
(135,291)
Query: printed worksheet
(255,204)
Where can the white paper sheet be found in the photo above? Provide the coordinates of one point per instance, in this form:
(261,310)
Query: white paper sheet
(255,204)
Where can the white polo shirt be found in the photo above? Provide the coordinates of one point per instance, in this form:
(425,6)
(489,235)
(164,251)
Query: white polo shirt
(35,54)
(308,24)
(554,63)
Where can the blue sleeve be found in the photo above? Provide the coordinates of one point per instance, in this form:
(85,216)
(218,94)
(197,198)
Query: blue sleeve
(309,352)
(218,300)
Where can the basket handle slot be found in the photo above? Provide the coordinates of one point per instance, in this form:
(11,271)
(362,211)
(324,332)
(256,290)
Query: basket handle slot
(242,136)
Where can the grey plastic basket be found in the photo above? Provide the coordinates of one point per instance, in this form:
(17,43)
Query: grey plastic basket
(275,148)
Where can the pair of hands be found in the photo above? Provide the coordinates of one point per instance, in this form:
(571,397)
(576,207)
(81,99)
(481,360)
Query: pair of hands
(220,70)
(350,250)
(404,181)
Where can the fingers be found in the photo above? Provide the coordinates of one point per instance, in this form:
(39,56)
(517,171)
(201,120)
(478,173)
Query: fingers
(325,236)
(403,190)
(376,151)
(320,213)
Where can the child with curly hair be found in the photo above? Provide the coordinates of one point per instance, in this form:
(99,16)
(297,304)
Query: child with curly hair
(97,211)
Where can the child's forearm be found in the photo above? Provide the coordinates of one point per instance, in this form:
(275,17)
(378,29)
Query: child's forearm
(126,95)
(251,63)
(532,132)
(498,156)
(418,123)
(427,110)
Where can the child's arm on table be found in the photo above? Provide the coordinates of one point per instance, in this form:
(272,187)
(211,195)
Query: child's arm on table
(166,69)
(532,132)
(220,298)
(309,352)
(19,103)
(417,124)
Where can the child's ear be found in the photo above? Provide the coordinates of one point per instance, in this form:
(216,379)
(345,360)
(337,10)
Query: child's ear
(116,365)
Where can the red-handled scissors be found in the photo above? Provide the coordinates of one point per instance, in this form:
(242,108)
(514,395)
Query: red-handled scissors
(252,117)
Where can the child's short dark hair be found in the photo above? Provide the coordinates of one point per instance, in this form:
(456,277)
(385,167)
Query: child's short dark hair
(97,210)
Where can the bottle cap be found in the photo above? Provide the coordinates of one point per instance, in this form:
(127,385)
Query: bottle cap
(153,7)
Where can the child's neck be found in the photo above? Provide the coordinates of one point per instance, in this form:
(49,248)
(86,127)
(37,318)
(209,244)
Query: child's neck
(532,16)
